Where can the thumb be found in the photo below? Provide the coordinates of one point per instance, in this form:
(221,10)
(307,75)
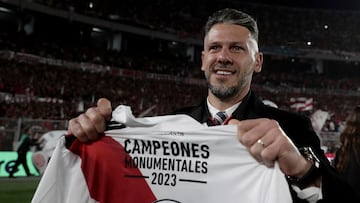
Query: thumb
(104,107)
(234,122)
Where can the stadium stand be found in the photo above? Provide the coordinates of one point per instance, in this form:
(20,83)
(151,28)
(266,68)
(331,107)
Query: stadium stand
(53,67)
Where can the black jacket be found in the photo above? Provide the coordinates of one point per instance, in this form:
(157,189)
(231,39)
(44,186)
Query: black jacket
(25,145)
(351,171)
(299,129)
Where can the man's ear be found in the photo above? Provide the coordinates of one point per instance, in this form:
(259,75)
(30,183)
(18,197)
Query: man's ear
(258,62)
(202,61)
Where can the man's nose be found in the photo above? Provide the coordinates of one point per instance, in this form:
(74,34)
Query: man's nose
(224,57)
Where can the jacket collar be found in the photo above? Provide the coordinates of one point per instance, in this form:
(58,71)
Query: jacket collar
(243,111)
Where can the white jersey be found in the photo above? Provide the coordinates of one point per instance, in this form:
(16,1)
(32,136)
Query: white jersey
(48,142)
(160,159)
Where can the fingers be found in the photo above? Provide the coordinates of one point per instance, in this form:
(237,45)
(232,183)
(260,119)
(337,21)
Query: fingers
(250,131)
(105,109)
(93,121)
(76,130)
(88,125)
(264,139)
(263,149)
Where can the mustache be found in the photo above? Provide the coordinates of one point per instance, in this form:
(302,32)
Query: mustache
(220,66)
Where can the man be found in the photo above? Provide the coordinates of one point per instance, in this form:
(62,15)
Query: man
(229,59)
(26,142)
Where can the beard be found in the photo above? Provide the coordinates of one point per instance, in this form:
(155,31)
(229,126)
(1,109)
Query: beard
(222,92)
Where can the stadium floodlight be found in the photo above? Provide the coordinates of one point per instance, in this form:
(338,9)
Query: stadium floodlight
(6,10)
(95,29)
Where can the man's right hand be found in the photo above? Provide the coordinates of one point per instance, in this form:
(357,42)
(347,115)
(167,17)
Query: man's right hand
(87,126)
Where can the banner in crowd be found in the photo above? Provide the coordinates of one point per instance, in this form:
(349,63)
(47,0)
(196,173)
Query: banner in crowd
(301,103)
(96,68)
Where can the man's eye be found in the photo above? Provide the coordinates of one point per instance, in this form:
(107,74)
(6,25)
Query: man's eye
(214,48)
(237,48)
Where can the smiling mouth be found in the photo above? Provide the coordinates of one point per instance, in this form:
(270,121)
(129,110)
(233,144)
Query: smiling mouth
(222,72)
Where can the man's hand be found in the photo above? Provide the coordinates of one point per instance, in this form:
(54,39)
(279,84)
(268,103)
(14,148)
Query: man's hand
(267,142)
(88,125)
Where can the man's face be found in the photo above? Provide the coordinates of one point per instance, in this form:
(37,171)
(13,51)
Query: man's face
(229,58)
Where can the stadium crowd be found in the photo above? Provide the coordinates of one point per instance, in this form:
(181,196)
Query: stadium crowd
(284,30)
(63,89)
(40,90)
(280,25)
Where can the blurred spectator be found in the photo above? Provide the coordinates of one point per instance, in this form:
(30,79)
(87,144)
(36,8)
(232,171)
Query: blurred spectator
(347,160)
(28,139)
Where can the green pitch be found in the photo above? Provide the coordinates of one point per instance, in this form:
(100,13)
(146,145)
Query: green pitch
(18,190)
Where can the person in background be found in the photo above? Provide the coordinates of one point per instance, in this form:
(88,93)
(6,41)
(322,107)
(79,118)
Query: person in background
(347,159)
(26,141)
(230,58)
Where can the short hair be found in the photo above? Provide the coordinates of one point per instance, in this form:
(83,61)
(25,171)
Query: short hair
(27,128)
(233,16)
